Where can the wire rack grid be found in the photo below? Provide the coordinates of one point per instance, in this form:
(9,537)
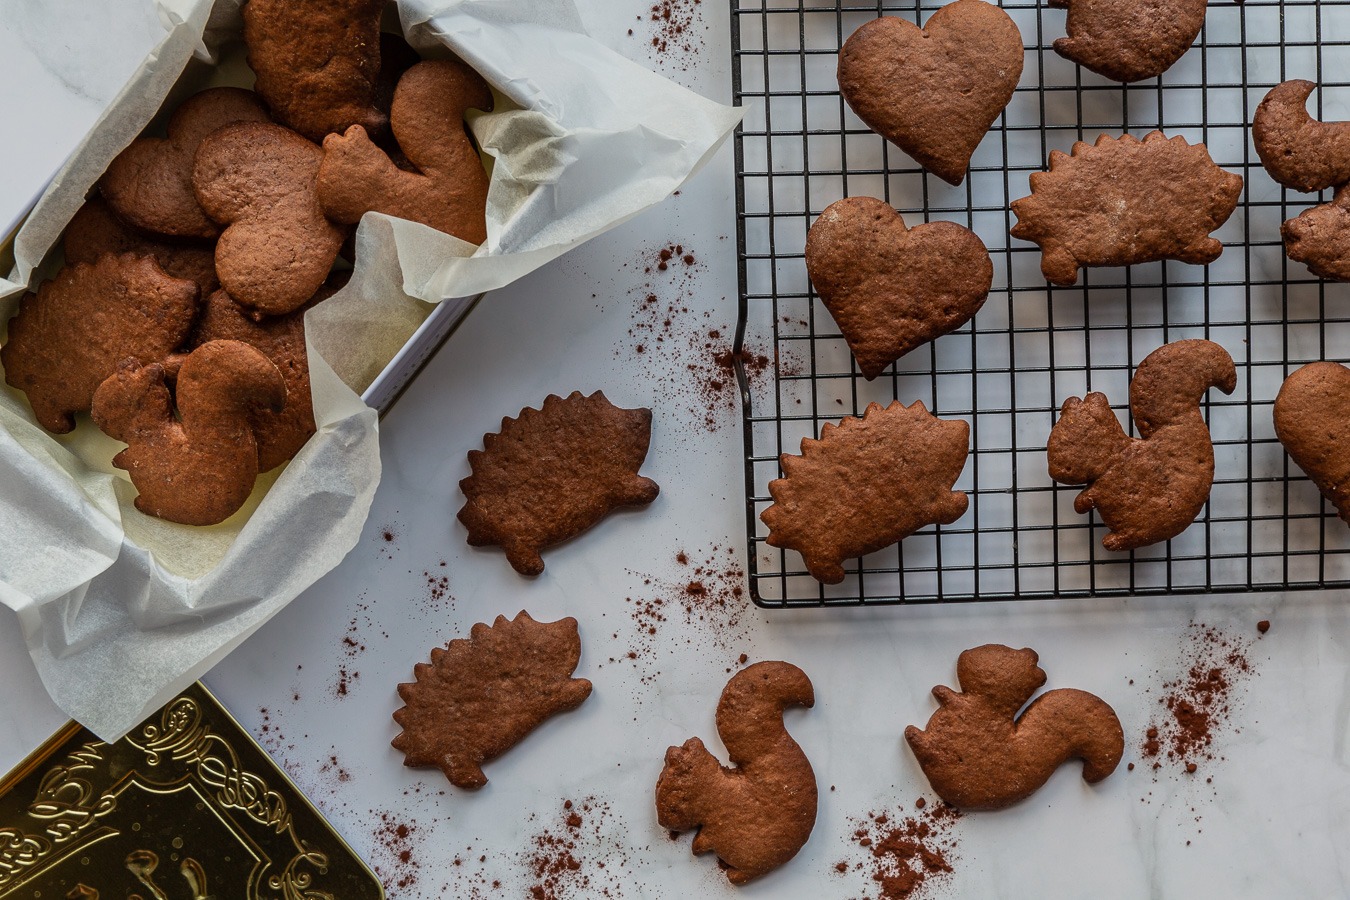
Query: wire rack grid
(1033,345)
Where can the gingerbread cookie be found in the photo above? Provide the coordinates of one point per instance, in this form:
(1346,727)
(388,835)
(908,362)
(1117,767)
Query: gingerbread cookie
(891,288)
(757,815)
(149,184)
(1150,488)
(866,484)
(1320,237)
(95,231)
(1298,151)
(977,753)
(449,190)
(197,467)
(317,62)
(1124,201)
(1312,421)
(934,92)
(72,334)
(1131,40)
(281,339)
(259,180)
(552,473)
(480,697)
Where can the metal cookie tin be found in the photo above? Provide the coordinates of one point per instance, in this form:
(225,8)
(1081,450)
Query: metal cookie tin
(185,807)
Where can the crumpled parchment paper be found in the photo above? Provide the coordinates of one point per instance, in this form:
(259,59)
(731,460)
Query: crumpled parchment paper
(119,610)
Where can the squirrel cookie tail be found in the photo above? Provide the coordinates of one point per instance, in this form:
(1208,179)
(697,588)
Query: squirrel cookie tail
(1081,726)
(1164,392)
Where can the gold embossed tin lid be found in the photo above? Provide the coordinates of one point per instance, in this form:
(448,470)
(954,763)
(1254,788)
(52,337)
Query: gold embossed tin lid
(185,807)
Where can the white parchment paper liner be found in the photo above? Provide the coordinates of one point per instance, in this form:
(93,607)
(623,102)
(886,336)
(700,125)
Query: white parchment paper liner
(120,611)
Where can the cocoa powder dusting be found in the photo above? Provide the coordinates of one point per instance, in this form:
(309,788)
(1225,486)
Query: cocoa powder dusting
(580,855)
(1197,705)
(904,853)
(686,352)
(395,858)
(674,31)
(703,603)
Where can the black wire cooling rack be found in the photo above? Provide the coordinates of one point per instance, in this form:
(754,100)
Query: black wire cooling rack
(1033,345)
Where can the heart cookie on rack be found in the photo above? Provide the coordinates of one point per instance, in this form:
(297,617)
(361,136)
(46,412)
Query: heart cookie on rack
(892,288)
(934,91)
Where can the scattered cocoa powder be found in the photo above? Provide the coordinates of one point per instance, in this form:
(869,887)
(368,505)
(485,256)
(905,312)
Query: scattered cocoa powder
(904,853)
(674,31)
(581,855)
(386,540)
(689,355)
(1197,705)
(395,858)
(704,601)
(438,587)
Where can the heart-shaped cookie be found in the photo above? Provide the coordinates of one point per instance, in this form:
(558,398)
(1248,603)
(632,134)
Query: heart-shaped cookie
(934,92)
(892,288)
(1312,420)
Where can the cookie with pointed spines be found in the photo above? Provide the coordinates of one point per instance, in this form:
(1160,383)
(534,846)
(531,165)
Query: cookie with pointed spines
(1123,201)
(72,334)
(867,483)
(551,473)
(480,696)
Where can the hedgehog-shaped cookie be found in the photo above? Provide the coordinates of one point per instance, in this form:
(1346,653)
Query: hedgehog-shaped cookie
(866,484)
(551,473)
(479,697)
(1124,201)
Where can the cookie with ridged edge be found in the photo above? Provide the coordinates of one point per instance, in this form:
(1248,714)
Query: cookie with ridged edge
(867,483)
(934,92)
(551,473)
(71,335)
(149,184)
(480,696)
(891,288)
(1123,201)
(95,230)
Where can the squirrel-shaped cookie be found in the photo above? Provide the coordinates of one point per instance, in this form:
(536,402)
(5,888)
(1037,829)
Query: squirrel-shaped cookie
(757,815)
(1150,488)
(197,467)
(978,753)
(449,190)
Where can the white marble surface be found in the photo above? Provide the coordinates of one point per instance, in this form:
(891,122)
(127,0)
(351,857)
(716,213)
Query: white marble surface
(1273,822)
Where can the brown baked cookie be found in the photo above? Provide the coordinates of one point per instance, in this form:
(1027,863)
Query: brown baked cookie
(552,473)
(934,92)
(979,754)
(1124,201)
(449,190)
(95,230)
(1128,40)
(866,484)
(1320,237)
(891,288)
(1312,421)
(757,815)
(149,184)
(1298,151)
(72,334)
(1150,488)
(198,467)
(281,339)
(317,62)
(259,180)
(480,697)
